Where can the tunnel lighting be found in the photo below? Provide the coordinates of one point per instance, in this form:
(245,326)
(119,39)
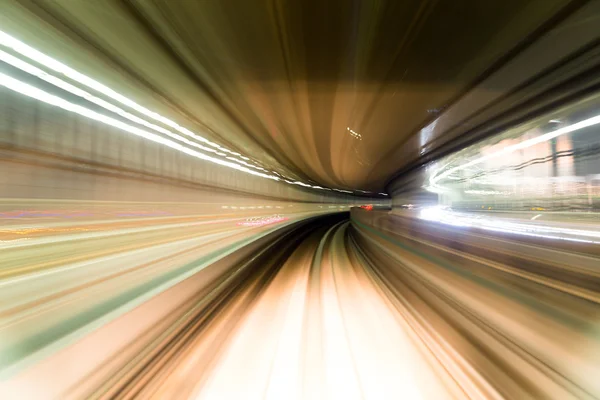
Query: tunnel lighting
(56,66)
(354,134)
(38,94)
(436,189)
(343,191)
(30,69)
(245,163)
(431,213)
(39,57)
(488,192)
(519,146)
(446,216)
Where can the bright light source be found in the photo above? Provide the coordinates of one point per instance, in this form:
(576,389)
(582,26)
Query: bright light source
(445,216)
(488,192)
(510,149)
(60,68)
(57,66)
(433,213)
(31,91)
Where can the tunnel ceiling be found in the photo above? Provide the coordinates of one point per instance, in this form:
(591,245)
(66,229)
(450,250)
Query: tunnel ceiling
(330,90)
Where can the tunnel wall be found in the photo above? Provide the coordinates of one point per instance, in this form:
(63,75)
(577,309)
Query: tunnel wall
(82,157)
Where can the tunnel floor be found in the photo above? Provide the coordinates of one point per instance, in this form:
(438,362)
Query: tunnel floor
(375,306)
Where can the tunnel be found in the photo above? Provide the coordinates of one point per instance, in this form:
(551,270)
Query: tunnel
(299,199)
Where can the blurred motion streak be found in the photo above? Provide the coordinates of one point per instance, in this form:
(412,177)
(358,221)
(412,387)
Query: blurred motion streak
(299,199)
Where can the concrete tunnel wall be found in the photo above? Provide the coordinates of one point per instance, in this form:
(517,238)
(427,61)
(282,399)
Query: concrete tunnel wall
(85,159)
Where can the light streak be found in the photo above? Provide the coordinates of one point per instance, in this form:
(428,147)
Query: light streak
(32,70)
(487,192)
(38,94)
(446,216)
(58,67)
(354,134)
(435,178)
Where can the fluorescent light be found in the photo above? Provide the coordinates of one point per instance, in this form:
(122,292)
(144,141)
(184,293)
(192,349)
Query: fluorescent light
(58,67)
(22,65)
(30,69)
(31,91)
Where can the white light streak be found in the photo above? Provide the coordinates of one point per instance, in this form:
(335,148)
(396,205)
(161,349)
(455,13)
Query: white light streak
(446,216)
(488,192)
(354,134)
(519,146)
(41,58)
(57,66)
(30,69)
(31,91)
(32,54)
